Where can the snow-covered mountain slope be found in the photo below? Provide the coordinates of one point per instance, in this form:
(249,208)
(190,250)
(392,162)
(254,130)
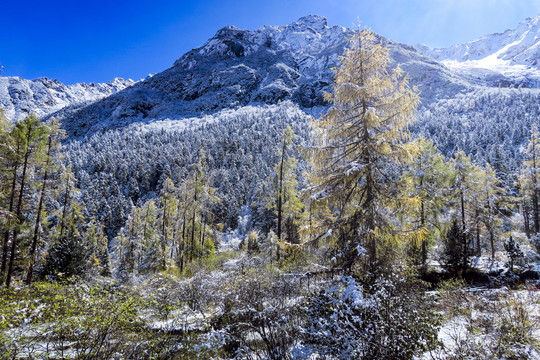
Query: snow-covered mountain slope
(241,67)
(43,96)
(511,57)
(236,68)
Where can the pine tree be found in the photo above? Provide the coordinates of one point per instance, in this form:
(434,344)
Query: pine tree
(362,134)
(95,241)
(453,251)
(9,157)
(169,218)
(513,251)
(529,181)
(284,197)
(201,197)
(152,257)
(491,200)
(467,187)
(30,135)
(51,156)
(68,254)
(426,181)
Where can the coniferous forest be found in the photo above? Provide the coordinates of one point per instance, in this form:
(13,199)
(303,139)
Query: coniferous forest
(385,229)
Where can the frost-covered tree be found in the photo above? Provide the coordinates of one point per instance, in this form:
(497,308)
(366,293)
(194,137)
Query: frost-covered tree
(357,143)
(514,253)
(465,190)
(98,259)
(454,256)
(152,256)
(284,198)
(50,163)
(529,182)
(68,254)
(390,319)
(492,200)
(30,136)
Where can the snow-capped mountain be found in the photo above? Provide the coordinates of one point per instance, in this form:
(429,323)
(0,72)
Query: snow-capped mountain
(243,67)
(43,96)
(293,62)
(513,54)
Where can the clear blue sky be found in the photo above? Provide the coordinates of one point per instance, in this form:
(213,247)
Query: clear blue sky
(96,40)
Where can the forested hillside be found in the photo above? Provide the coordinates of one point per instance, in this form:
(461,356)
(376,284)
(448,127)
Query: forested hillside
(491,125)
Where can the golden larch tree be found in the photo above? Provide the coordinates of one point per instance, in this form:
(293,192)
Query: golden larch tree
(358,144)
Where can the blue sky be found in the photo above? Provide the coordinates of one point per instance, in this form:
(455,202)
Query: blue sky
(95,41)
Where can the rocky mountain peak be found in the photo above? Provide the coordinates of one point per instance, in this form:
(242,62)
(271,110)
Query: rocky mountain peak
(238,67)
(315,22)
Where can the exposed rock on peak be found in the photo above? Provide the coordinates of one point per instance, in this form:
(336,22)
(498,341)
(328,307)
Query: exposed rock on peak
(238,67)
(315,22)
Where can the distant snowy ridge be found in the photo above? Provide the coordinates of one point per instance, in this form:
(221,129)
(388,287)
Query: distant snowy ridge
(43,96)
(513,54)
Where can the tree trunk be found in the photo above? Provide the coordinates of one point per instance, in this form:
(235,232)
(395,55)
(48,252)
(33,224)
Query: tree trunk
(38,217)
(536,210)
(164,227)
(369,205)
(7,231)
(203,233)
(464,232)
(192,237)
(64,210)
(280,199)
(182,244)
(19,215)
(492,243)
(424,245)
(526,221)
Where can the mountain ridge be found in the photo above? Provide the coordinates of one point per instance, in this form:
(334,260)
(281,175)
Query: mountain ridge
(238,67)
(43,96)
(514,53)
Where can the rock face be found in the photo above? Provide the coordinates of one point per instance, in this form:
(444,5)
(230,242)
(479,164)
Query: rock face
(43,96)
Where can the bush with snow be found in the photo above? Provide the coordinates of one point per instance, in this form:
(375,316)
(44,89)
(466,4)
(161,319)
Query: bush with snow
(389,319)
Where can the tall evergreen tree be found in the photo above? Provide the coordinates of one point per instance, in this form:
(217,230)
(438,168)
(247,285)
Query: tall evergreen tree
(284,199)
(426,181)
(48,164)
(492,199)
(31,136)
(529,181)
(362,134)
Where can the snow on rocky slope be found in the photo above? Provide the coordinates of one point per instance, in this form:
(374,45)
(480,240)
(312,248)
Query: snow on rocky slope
(43,96)
(239,67)
(508,58)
